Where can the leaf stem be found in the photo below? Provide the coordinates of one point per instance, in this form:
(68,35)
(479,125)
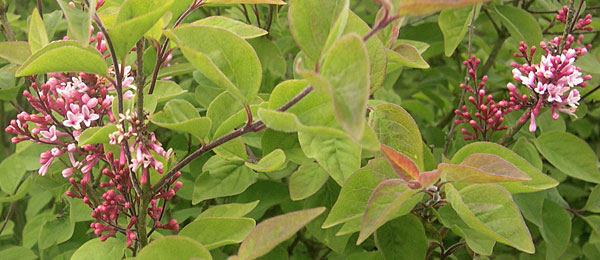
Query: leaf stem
(161,54)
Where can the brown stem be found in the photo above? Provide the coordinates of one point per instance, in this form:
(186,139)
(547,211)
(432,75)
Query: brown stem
(507,137)
(570,18)
(450,135)
(161,54)
(590,92)
(8,32)
(8,215)
(140,78)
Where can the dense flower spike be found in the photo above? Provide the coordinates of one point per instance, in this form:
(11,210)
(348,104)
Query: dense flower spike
(68,104)
(553,82)
(489,115)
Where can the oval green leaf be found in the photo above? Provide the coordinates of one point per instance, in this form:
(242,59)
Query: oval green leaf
(482,168)
(15,52)
(390,199)
(81,59)
(569,154)
(96,135)
(395,128)
(182,116)
(355,193)
(273,231)
(306,181)
(242,30)
(489,208)
(223,57)
(174,247)
(134,19)
(214,232)
(270,162)
(95,249)
(539,181)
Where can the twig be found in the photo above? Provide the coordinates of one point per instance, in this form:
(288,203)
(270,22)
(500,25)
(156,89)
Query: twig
(506,138)
(8,32)
(570,18)
(140,79)
(450,134)
(255,8)
(8,215)
(590,92)
(162,53)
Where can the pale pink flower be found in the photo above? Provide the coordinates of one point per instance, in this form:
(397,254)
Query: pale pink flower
(88,116)
(50,134)
(73,120)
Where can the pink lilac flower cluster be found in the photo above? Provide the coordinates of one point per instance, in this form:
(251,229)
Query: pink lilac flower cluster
(69,103)
(553,82)
(489,115)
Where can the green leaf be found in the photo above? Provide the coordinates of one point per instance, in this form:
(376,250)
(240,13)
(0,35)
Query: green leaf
(13,168)
(81,59)
(489,208)
(174,247)
(528,151)
(531,205)
(402,238)
(423,7)
(271,162)
(214,232)
(477,241)
(135,18)
(306,181)
(555,229)
(274,231)
(15,52)
(390,199)
(312,22)
(166,90)
(338,155)
(482,168)
(242,30)
(221,56)
(593,202)
(569,154)
(355,193)
(454,25)
(17,253)
(56,231)
(346,69)
(377,54)
(79,21)
(521,25)
(271,2)
(37,36)
(182,116)
(313,110)
(232,210)
(539,181)
(33,226)
(406,55)
(95,249)
(20,193)
(96,135)
(395,128)
(222,178)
